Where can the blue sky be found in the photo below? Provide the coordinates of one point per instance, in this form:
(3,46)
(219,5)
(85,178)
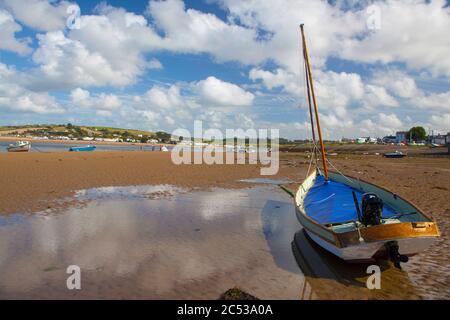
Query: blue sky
(160,65)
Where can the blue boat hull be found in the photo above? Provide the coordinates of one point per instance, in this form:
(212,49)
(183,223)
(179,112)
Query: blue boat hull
(83,149)
(394,155)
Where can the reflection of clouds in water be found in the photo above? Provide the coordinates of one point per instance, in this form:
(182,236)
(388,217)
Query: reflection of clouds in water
(158,244)
(212,205)
(129,192)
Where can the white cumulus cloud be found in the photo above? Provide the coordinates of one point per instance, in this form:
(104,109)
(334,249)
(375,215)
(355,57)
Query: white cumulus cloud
(8,41)
(221,93)
(17,98)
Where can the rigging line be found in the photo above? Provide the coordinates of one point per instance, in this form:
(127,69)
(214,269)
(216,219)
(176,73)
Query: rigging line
(319,131)
(340,172)
(307,95)
(309,167)
(317,151)
(38,150)
(322,200)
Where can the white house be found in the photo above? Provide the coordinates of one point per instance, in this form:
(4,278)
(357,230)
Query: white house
(361,140)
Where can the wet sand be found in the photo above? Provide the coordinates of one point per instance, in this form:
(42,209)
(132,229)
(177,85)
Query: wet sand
(38,182)
(35,181)
(162,242)
(182,246)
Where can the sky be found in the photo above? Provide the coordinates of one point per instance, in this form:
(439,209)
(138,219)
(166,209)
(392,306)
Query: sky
(378,66)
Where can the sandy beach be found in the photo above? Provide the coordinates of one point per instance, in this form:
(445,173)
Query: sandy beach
(31,181)
(36,182)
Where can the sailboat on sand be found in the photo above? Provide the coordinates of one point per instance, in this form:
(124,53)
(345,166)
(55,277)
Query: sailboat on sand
(356,220)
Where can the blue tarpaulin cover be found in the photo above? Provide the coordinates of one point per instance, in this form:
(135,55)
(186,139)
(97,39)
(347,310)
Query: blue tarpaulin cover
(332,202)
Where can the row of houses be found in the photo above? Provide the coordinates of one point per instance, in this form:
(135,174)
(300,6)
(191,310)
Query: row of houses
(401,137)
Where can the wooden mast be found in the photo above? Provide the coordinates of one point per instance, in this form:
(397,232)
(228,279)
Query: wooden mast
(308,67)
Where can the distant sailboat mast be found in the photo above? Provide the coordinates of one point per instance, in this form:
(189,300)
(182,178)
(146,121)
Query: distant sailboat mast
(311,87)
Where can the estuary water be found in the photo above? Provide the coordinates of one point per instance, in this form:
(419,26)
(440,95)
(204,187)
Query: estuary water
(161,242)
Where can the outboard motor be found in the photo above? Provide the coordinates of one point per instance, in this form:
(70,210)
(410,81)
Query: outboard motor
(372,209)
(394,255)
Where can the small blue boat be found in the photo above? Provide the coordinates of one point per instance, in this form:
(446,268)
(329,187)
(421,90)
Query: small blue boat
(83,149)
(396,154)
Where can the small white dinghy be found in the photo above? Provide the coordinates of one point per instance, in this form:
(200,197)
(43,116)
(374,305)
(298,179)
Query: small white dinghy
(19,146)
(328,207)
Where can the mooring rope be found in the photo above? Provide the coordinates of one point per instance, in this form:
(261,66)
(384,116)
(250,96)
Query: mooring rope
(37,149)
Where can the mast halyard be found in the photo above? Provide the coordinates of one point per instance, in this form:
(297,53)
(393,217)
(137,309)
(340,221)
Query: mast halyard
(311,85)
(310,107)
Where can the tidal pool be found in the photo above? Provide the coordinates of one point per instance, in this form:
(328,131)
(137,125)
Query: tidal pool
(160,242)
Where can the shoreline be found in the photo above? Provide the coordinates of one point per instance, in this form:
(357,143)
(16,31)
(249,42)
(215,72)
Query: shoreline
(345,149)
(69,142)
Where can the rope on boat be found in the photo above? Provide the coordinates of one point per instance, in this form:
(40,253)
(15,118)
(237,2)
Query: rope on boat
(309,167)
(340,172)
(361,239)
(289,191)
(324,199)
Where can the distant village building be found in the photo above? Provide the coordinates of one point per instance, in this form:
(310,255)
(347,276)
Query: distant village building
(440,139)
(389,139)
(362,140)
(366,140)
(400,136)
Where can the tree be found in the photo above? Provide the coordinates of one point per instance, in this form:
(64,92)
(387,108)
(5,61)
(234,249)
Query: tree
(163,136)
(416,134)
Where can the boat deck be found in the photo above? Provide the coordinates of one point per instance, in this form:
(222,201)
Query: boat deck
(332,202)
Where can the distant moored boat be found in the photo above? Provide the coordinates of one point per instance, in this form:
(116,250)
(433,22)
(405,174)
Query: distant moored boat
(83,149)
(396,154)
(19,146)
